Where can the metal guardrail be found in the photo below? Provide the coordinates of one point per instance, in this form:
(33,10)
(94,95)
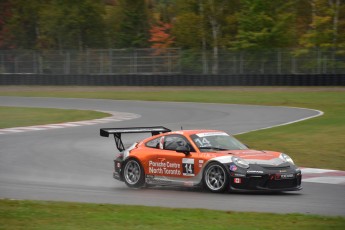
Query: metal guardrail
(170,61)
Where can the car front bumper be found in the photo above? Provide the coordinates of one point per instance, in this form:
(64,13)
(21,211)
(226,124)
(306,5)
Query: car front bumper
(266,182)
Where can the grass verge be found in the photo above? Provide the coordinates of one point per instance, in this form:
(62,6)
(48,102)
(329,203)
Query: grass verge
(314,143)
(16,214)
(318,142)
(22,116)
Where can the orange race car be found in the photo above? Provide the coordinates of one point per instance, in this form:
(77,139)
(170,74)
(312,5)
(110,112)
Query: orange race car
(209,158)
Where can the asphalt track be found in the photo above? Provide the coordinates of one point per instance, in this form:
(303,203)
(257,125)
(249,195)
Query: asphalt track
(75,164)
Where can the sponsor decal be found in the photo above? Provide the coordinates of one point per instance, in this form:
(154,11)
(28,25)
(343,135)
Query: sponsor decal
(237,174)
(237,180)
(201,162)
(281,176)
(164,168)
(255,171)
(188,166)
(212,134)
(287,176)
(233,167)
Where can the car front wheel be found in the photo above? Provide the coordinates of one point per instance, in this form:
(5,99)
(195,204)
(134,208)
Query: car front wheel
(133,174)
(216,178)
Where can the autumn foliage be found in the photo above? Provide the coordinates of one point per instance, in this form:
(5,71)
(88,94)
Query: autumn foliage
(160,36)
(5,15)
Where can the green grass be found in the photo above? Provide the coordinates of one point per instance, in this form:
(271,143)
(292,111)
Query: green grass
(20,116)
(318,142)
(62,215)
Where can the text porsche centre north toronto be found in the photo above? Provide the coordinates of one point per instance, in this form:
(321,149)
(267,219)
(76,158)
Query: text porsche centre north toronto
(167,168)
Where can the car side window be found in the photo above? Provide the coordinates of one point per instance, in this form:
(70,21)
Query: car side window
(153,143)
(171,142)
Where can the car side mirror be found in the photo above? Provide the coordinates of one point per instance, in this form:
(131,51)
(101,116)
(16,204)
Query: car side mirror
(183,149)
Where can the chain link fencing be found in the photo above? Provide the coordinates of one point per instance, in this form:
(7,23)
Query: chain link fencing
(171,61)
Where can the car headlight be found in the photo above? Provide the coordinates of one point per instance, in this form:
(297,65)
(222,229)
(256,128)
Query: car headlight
(240,162)
(286,158)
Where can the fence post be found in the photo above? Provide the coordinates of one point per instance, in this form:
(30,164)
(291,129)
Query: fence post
(67,63)
(293,64)
(34,63)
(135,62)
(110,61)
(169,62)
(2,64)
(87,61)
(15,64)
(279,64)
(241,62)
(319,60)
(101,63)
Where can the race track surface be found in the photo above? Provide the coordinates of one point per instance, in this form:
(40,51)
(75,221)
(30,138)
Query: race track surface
(75,164)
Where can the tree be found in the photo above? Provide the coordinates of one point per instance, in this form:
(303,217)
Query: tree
(70,24)
(265,24)
(324,26)
(22,26)
(201,24)
(6,14)
(215,11)
(160,36)
(134,25)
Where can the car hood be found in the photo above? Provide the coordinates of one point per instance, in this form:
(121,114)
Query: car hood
(259,157)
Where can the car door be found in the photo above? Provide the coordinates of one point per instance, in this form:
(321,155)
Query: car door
(176,164)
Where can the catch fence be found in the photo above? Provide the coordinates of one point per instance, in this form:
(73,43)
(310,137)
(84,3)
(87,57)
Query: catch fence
(172,61)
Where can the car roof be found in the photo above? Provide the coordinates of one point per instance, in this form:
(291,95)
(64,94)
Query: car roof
(194,131)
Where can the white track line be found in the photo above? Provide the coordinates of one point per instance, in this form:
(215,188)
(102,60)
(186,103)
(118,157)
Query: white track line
(116,116)
(324,176)
(314,175)
(308,174)
(319,113)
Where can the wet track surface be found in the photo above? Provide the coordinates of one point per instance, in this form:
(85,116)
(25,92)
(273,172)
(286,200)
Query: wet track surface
(75,163)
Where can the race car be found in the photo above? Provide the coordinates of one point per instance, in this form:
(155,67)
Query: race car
(211,159)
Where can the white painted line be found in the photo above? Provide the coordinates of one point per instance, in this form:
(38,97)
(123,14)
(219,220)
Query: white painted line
(51,126)
(68,125)
(325,180)
(317,171)
(323,176)
(116,117)
(320,113)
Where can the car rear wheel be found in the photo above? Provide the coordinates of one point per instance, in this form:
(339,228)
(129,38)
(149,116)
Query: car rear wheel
(216,178)
(133,174)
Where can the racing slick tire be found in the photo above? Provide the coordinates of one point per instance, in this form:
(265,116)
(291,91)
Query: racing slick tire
(133,174)
(216,178)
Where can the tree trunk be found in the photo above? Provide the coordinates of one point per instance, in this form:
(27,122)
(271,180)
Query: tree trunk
(215,31)
(335,7)
(215,45)
(203,38)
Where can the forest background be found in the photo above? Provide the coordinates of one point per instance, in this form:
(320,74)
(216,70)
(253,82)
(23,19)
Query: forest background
(300,26)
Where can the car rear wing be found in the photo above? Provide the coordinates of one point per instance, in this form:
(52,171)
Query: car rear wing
(154,130)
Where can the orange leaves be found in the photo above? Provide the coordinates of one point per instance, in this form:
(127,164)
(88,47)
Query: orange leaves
(160,36)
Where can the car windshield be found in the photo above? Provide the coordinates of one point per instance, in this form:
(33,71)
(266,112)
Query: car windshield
(218,141)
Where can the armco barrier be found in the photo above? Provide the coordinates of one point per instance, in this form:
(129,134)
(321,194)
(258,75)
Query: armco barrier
(173,80)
